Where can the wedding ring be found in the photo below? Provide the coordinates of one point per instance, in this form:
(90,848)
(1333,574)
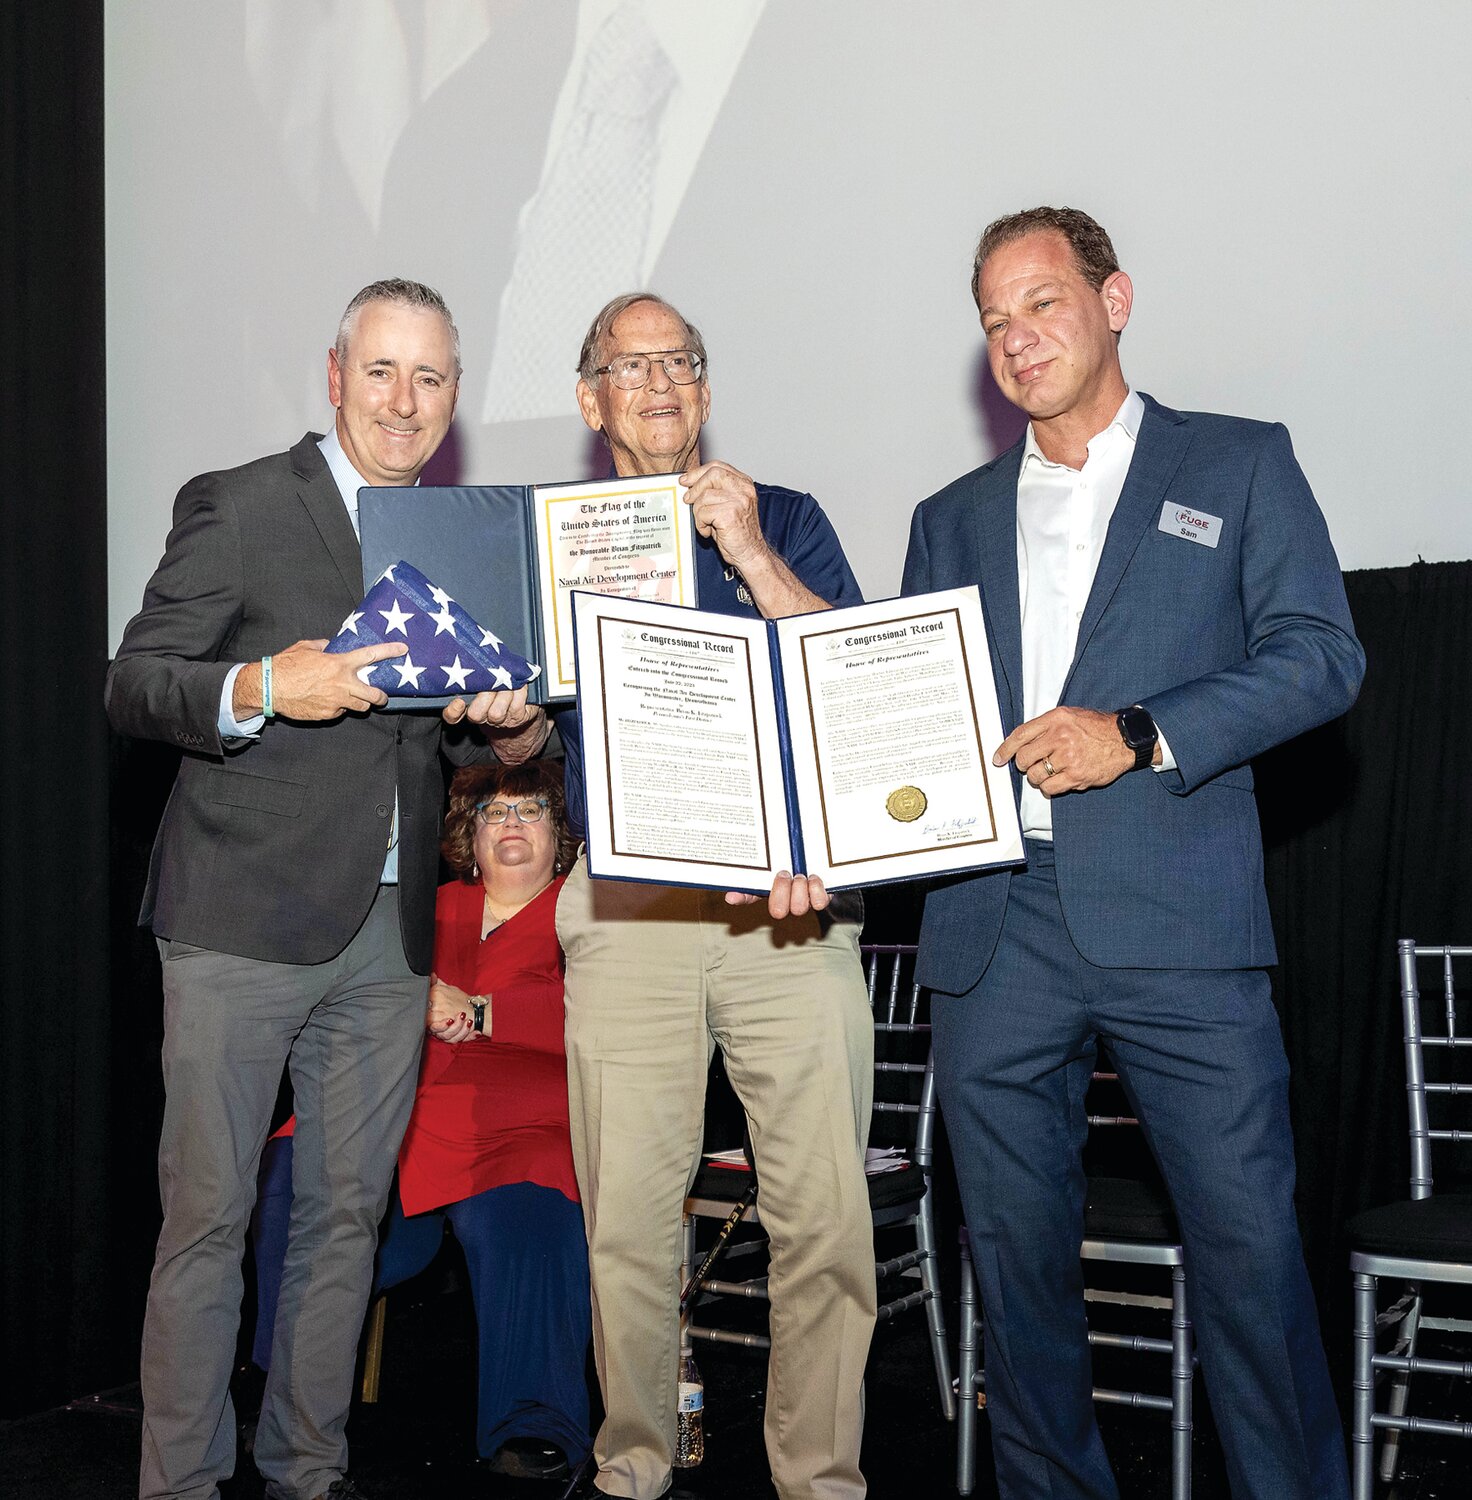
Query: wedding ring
(1048,767)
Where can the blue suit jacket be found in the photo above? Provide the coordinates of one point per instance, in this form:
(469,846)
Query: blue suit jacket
(1232,649)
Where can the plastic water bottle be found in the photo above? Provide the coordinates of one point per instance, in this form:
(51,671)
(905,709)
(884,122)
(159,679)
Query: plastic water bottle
(690,1421)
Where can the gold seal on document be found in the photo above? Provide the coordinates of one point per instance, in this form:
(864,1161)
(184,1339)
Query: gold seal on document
(905,804)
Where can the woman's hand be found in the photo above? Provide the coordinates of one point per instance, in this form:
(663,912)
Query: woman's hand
(450,1014)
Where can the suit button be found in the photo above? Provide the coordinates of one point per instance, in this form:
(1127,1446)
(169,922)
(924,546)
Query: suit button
(382,810)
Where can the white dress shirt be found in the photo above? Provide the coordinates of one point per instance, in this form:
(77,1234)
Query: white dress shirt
(1063,517)
(348,482)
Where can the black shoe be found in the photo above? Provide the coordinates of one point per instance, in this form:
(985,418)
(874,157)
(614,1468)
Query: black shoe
(343,1489)
(529,1458)
(247,1389)
(587,1490)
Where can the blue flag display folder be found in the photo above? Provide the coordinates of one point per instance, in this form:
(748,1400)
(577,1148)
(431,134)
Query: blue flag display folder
(512,555)
(852,744)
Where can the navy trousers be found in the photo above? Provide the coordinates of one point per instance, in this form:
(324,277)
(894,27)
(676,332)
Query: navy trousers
(528,1265)
(1200,1055)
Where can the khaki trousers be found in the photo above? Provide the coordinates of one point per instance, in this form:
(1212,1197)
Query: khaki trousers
(657,977)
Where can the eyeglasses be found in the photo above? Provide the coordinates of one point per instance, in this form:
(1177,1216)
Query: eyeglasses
(528,810)
(630,372)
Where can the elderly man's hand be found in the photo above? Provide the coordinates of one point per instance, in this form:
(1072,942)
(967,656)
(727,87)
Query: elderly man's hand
(515,729)
(722,502)
(790,896)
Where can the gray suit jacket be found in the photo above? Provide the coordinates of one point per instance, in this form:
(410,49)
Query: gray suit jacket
(1232,648)
(273,848)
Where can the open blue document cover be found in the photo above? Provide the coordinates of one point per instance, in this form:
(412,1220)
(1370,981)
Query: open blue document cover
(852,744)
(512,554)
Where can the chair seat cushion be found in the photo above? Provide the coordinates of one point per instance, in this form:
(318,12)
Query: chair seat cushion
(904,1184)
(1125,1208)
(1435,1228)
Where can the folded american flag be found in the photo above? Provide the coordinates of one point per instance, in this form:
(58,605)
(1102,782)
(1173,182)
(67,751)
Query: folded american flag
(449,652)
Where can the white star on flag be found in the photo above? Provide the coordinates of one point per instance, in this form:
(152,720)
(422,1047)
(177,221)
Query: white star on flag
(409,674)
(455,674)
(395,618)
(439,635)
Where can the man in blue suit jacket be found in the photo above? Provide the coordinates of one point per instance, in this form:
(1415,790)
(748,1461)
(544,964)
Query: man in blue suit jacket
(1164,604)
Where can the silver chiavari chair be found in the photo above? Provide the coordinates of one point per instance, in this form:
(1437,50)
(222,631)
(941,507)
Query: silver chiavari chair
(1426,1238)
(1128,1222)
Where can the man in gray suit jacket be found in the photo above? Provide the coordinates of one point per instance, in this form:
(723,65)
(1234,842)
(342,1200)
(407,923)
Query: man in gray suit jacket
(291,890)
(1164,604)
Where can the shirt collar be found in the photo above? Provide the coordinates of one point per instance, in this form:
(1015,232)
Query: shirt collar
(1126,420)
(344,475)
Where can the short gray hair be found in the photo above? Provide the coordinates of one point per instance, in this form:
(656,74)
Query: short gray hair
(591,355)
(405,294)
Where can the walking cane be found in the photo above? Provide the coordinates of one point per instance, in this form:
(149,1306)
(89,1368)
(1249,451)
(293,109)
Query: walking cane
(692,1288)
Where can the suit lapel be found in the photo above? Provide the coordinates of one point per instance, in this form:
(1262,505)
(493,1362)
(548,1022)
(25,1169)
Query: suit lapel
(319,493)
(1162,443)
(996,541)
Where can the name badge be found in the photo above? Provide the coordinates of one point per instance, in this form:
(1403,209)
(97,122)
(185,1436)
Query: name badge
(1194,525)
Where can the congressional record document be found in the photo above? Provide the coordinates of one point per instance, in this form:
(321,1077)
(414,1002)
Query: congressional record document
(852,744)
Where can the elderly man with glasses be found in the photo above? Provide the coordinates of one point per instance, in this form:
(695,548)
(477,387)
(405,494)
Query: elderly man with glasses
(658,977)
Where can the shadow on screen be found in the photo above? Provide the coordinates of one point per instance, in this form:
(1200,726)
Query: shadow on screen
(448,462)
(1001,423)
(597,462)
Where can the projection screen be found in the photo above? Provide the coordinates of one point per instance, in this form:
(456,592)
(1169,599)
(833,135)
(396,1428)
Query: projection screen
(807,178)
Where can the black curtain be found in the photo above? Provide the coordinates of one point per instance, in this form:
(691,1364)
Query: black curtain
(63,1328)
(1368,825)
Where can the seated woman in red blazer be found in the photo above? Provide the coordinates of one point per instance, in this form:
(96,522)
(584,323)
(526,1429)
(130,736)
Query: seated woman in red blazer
(487,1146)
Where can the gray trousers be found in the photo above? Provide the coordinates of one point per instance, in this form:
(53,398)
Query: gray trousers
(350,1031)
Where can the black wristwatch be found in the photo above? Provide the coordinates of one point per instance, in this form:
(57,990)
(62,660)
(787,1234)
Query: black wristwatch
(1137,730)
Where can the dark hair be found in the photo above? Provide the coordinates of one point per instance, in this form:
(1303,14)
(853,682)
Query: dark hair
(1093,252)
(475,784)
(591,355)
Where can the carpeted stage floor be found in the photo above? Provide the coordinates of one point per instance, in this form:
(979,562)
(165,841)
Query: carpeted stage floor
(416,1443)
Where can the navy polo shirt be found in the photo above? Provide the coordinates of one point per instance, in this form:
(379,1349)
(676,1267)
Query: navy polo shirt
(801,535)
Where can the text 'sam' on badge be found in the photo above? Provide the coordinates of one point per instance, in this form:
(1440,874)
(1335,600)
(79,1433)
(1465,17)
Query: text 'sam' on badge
(1194,525)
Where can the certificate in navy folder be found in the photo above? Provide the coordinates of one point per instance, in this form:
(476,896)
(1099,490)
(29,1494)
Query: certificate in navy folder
(512,555)
(852,744)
